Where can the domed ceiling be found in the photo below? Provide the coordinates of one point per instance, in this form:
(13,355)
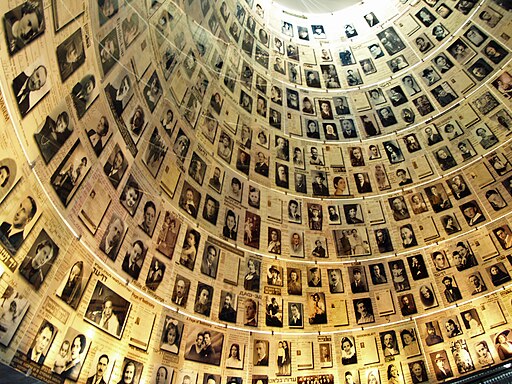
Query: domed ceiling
(207,192)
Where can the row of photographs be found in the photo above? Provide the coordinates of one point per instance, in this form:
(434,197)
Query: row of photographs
(109,312)
(44,251)
(443,93)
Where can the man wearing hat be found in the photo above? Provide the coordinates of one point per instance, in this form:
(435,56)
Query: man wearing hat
(451,293)
(319,188)
(315,280)
(432,338)
(442,369)
(358,285)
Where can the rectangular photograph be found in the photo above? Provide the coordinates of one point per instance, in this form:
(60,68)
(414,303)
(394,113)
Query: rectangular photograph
(203,345)
(70,173)
(31,86)
(17,221)
(72,354)
(70,54)
(29,14)
(95,206)
(12,311)
(42,343)
(74,283)
(107,310)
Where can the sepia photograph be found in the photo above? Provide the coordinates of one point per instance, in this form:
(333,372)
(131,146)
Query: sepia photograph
(74,283)
(31,86)
(70,54)
(24,24)
(107,310)
(12,311)
(17,222)
(203,345)
(70,173)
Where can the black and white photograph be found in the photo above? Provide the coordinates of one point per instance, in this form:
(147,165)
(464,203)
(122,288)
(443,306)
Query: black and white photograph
(113,237)
(116,166)
(172,333)
(101,369)
(24,24)
(70,54)
(153,91)
(131,195)
(72,354)
(399,275)
(130,27)
(109,51)
(134,257)
(131,371)
(190,199)
(69,175)
(42,343)
(460,51)
(55,131)
(84,93)
(107,10)
(119,92)
(99,136)
(31,85)
(107,310)
(12,311)
(73,284)
(17,221)
(364,311)
(203,345)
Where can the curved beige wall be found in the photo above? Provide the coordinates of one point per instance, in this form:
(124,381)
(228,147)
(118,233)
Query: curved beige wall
(140,137)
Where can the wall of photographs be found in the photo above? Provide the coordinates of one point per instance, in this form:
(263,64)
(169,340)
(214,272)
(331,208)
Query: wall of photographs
(227,192)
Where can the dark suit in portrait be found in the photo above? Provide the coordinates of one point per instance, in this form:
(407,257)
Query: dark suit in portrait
(21,92)
(12,242)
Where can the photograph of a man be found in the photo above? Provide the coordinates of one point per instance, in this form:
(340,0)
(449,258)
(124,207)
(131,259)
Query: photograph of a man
(107,310)
(13,233)
(101,368)
(44,338)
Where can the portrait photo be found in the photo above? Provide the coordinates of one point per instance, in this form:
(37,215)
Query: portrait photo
(72,354)
(24,24)
(9,176)
(31,85)
(101,369)
(17,220)
(296,315)
(172,333)
(12,311)
(190,199)
(107,310)
(119,92)
(74,283)
(84,93)
(116,165)
(113,237)
(203,345)
(39,259)
(69,175)
(504,236)
(131,372)
(134,257)
(42,343)
(363,311)
(70,54)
